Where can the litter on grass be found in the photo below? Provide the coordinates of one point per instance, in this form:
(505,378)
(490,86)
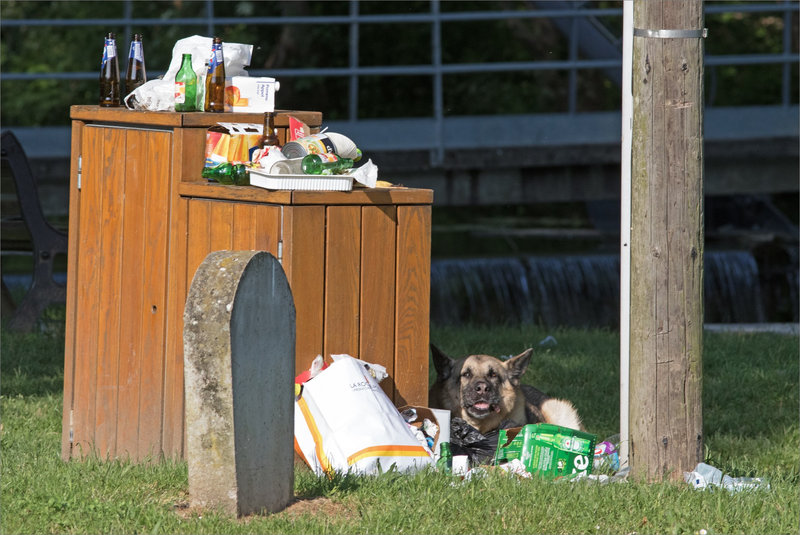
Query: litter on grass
(705,476)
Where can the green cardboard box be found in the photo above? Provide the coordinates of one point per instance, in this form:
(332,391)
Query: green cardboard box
(548,450)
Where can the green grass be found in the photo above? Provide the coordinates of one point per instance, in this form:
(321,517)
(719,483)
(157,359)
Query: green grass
(751,402)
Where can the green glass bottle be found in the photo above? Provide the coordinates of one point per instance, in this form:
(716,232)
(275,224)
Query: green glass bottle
(186,86)
(445,461)
(228,173)
(325,164)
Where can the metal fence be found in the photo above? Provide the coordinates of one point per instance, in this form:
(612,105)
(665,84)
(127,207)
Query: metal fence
(591,47)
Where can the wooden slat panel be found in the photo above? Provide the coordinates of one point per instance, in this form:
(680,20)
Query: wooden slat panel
(312,118)
(87,294)
(72,289)
(413,304)
(123,115)
(243,222)
(149,118)
(110,260)
(133,259)
(199,243)
(342,280)
(154,301)
(377,304)
(173,422)
(304,263)
(364,196)
(201,188)
(193,152)
(220,226)
(268,229)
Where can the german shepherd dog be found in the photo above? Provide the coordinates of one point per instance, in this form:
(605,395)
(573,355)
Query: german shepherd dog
(486,393)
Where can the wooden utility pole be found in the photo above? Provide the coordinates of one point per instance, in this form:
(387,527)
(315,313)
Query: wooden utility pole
(666,297)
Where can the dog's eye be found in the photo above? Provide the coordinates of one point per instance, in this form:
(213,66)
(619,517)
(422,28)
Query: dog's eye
(492,374)
(467,374)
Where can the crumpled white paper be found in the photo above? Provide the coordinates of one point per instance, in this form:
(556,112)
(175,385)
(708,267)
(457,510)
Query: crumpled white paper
(367,174)
(159,94)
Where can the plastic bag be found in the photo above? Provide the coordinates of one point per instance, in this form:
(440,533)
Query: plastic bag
(159,94)
(466,440)
(344,422)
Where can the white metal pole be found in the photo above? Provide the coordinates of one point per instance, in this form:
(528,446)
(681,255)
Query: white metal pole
(625,233)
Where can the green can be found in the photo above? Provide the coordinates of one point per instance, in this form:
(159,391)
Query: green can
(550,451)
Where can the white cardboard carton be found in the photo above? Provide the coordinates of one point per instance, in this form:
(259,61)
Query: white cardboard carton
(251,94)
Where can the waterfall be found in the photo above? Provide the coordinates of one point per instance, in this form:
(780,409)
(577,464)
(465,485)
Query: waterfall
(577,291)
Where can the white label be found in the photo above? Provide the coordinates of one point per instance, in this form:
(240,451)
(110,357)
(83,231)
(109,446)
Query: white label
(581,463)
(180,92)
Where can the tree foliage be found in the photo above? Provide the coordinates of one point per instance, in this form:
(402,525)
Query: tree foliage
(70,45)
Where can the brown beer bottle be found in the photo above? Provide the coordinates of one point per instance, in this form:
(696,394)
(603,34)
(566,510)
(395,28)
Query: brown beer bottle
(268,136)
(215,79)
(109,73)
(136,75)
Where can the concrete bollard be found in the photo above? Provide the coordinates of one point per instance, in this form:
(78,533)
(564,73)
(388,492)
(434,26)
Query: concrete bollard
(239,342)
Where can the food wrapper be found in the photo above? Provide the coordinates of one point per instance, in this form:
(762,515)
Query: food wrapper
(231,142)
(297,129)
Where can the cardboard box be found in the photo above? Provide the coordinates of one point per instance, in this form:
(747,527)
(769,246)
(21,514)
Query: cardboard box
(548,450)
(250,94)
(231,142)
(422,414)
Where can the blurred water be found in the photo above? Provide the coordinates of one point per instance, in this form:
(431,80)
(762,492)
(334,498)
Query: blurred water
(579,290)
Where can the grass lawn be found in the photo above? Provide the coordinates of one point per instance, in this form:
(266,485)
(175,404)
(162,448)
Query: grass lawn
(750,396)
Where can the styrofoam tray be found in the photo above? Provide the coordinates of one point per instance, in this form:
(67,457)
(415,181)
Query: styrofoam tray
(302,182)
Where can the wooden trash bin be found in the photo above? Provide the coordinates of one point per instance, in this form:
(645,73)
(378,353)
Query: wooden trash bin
(141,222)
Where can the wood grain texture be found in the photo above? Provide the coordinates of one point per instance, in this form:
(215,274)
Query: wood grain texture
(192,153)
(304,264)
(153,310)
(267,228)
(138,231)
(342,280)
(86,301)
(201,188)
(134,258)
(173,425)
(243,222)
(412,332)
(220,226)
(72,291)
(377,301)
(199,241)
(362,196)
(109,284)
(192,119)
(666,244)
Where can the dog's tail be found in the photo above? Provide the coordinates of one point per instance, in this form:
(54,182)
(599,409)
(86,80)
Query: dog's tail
(561,412)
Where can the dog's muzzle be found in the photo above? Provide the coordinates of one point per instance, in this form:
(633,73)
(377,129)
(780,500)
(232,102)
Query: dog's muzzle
(480,399)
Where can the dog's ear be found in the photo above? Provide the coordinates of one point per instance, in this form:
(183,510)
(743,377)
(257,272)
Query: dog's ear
(442,363)
(517,365)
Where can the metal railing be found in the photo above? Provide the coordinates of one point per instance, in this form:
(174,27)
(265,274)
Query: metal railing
(590,46)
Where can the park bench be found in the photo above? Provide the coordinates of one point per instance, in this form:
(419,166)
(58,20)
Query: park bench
(27,230)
